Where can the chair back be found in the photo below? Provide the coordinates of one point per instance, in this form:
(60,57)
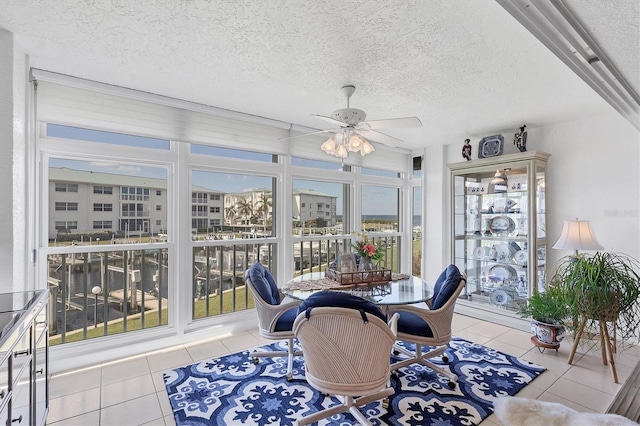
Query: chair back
(447,287)
(346,350)
(339,299)
(263,283)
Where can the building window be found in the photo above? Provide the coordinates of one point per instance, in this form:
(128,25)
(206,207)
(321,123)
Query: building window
(248,200)
(159,222)
(214,222)
(107,178)
(306,194)
(134,210)
(102,189)
(100,207)
(198,211)
(215,197)
(66,225)
(102,224)
(158,207)
(66,207)
(199,197)
(129,193)
(66,187)
(158,192)
(134,225)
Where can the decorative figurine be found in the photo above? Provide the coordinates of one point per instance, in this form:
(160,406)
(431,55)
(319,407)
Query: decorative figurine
(520,139)
(466,150)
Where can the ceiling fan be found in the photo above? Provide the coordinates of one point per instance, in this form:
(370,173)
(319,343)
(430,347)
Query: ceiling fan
(352,133)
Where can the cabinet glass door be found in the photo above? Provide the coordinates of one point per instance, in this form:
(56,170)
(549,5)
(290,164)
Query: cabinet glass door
(498,228)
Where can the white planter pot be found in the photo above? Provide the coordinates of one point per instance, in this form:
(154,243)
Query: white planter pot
(547,335)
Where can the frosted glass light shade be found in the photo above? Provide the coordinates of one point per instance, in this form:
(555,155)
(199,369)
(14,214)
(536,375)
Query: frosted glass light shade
(341,144)
(329,146)
(577,235)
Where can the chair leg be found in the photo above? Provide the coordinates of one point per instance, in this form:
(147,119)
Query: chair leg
(348,404)
(419,357)
(290,353)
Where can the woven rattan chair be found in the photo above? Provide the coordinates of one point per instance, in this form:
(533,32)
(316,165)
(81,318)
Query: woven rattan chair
(276,313)
(430,324)
(347,355)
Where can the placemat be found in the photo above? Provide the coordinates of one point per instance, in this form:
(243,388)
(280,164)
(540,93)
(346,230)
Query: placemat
(328,284)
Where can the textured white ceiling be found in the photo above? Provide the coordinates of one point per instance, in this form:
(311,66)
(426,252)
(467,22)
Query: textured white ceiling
(466,68)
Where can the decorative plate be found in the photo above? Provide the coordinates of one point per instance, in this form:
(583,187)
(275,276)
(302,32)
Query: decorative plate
(521,257)
(499,297)
(502,273)
(503,252)
(502,225)
(482,252)
(490,146)
(503,205)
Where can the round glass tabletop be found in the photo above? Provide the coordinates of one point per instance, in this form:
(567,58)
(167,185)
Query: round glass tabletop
(400,292)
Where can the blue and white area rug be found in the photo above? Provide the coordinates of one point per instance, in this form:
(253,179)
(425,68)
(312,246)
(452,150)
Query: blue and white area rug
(232,390)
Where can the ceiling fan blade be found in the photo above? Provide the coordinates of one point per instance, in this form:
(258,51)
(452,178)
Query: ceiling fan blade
(391,122)
(380,137)
(307,134)
(330,120)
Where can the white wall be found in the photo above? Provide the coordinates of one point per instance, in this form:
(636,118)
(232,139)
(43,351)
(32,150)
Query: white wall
(13,66)
(593,175)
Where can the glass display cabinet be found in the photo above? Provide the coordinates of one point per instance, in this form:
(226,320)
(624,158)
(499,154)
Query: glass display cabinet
(498,227)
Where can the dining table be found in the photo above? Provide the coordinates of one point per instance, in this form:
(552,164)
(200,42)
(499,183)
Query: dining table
(400,290)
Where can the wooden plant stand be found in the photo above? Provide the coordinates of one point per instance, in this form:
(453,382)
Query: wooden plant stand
(607,348)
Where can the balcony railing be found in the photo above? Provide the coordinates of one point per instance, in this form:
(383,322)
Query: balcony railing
(100,293)
(96,293)
(315,253)
(218,275)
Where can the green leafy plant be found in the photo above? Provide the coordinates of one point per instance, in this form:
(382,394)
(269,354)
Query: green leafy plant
(602,287)
(547,307)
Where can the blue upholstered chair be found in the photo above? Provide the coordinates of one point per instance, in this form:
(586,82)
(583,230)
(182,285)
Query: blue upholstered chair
(347,343)
(276,313)
(430,324)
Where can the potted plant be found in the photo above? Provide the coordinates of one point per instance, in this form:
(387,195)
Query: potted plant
(600,288)
(548,311)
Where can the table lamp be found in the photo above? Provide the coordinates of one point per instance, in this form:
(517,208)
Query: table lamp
(577,235)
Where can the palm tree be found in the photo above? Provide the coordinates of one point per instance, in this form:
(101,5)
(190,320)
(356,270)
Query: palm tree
(230,214)
(244,207)
(263,206)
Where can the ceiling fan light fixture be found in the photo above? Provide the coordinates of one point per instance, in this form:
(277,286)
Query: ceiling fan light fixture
(367,148)
(351,121)
(329,146)
(355,143)
(341,151)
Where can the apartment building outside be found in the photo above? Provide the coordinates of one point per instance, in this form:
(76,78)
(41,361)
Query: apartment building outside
(122,205)
(310,205)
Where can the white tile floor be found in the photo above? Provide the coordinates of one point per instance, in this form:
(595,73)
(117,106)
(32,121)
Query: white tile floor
(131,391)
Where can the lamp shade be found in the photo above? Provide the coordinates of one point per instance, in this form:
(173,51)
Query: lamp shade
(577,235)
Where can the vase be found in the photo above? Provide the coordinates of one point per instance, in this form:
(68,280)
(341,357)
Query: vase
(365,267)
(547,335)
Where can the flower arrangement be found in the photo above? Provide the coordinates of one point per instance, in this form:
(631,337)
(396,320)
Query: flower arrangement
(368,250)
